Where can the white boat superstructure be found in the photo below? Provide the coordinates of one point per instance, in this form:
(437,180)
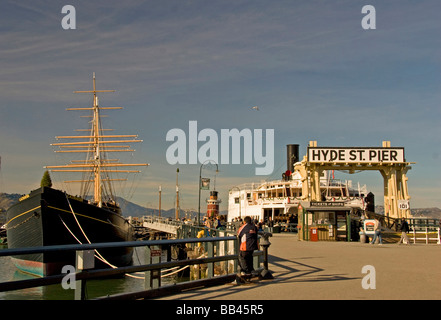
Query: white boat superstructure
(280,199)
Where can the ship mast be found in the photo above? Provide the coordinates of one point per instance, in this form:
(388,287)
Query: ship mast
(97,165)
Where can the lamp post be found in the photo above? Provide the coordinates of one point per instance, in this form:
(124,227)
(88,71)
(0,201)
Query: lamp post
(200,185)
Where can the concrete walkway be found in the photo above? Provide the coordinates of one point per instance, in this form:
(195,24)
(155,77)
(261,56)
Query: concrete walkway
(333,270)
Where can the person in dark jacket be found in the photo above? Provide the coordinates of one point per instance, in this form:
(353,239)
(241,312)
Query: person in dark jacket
(404,230)
(247,235)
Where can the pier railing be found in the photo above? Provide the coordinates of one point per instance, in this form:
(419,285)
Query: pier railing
(163,224)
(187,228)
(425,234)
(220,254)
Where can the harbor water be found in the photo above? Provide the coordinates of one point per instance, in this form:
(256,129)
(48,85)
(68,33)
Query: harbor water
(94,289)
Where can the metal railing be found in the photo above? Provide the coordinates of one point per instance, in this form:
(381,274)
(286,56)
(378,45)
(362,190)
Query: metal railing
(216,249)
(430,235)
(163,220)
(420,224)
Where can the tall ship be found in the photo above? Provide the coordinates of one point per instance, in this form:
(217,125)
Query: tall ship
(47,216)
(281,200)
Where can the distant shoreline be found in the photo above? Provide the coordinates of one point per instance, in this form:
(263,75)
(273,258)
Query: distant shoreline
(134,210)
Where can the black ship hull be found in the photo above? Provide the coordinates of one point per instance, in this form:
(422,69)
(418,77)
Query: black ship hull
(50,217)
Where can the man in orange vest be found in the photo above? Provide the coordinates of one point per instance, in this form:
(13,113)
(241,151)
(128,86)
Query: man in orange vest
(248,243)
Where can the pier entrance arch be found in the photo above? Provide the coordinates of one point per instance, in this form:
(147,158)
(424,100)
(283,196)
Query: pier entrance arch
(389,161)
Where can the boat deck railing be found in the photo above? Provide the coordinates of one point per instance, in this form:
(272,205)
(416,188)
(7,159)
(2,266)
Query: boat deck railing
(220,253)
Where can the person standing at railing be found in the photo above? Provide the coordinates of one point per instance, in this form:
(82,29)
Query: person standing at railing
(404,230)
(208,225)
(377,229)
(247,235)
(218,224)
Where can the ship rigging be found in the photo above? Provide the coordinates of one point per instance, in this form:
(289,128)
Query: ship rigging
(98,169)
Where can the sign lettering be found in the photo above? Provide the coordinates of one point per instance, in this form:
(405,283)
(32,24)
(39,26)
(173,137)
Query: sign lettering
(155,252)
(403,204)
(369,227)
(327,204)
(355,155)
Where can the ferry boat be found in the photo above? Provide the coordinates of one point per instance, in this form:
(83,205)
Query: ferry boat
(281,200)
(48,216)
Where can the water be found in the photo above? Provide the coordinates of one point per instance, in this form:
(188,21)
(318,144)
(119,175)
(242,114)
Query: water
(94,288)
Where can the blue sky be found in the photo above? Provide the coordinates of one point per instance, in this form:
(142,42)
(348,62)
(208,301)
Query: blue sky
(310,67)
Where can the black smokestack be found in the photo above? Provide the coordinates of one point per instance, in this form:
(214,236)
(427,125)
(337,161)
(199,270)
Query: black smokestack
(292,152)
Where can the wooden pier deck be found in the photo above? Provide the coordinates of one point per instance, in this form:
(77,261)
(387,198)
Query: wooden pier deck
(333,270)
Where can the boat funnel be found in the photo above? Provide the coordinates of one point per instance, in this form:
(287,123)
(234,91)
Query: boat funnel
(292,152)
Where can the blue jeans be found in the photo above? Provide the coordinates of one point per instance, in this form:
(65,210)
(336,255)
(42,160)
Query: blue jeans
(377,234)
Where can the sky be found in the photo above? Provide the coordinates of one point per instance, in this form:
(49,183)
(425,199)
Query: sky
(309,66)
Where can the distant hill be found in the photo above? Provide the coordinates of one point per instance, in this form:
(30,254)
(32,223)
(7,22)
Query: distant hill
(427,213)
(128,208)
(434,212)
(7,200)
(133,210)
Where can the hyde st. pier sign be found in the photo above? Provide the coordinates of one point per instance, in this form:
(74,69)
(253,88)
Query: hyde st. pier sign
(355,155)
(389,161)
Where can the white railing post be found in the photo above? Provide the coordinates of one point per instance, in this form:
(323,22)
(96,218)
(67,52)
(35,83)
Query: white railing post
(427,236)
